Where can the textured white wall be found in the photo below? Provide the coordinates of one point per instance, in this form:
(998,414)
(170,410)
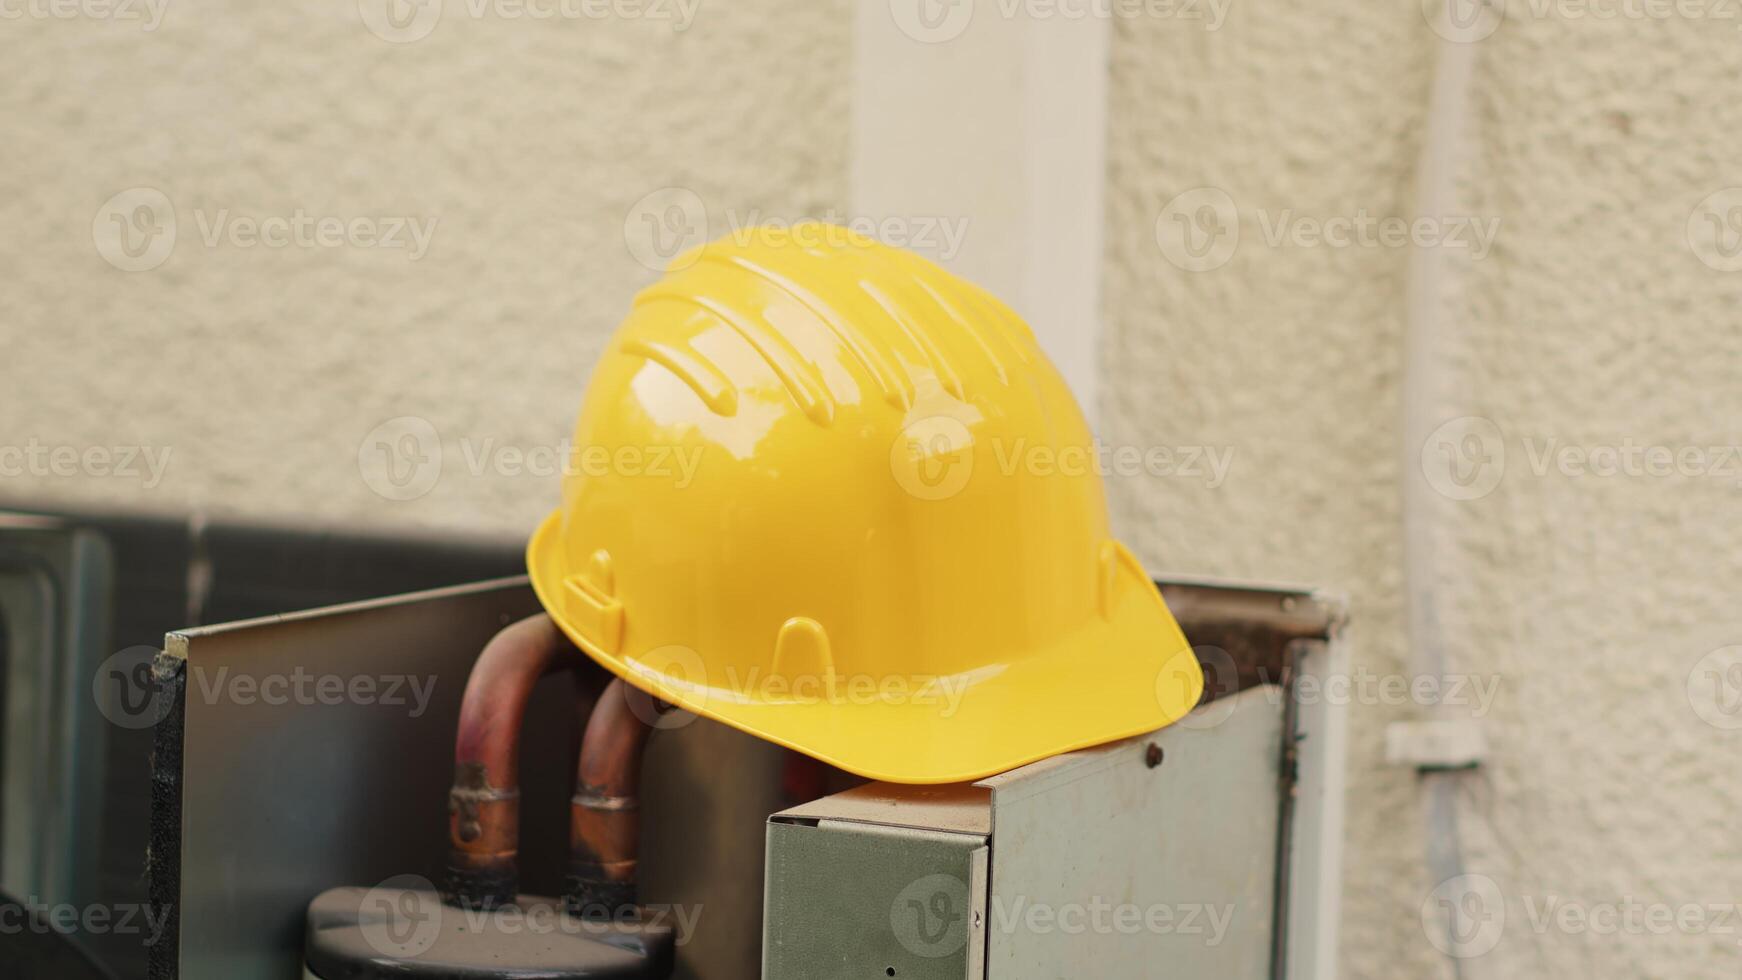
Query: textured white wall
(1590,600)
(527,144)
(531,145)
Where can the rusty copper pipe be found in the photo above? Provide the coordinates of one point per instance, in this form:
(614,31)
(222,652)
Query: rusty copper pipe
(484,805)
(604,815)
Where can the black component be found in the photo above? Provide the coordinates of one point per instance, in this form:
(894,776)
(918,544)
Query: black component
(591,897)
(487,888)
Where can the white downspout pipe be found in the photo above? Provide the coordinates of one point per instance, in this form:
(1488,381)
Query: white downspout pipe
(1430,269)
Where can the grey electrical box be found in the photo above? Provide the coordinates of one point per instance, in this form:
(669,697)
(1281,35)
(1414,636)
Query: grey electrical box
(1208,849)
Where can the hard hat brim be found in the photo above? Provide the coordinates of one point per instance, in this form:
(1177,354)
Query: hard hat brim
(1121,675)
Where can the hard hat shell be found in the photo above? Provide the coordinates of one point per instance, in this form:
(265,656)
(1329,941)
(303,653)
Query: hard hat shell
(825,492)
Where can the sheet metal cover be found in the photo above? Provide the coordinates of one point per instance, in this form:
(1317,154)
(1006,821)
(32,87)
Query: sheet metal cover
(1104,864)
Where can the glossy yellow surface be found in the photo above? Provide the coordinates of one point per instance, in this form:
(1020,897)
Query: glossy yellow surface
(830,494)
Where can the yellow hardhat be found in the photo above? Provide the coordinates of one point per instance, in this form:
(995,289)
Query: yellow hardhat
(825,492)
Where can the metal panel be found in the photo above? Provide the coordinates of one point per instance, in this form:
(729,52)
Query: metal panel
(1314,900)
(1105,865)
(849,900)
(955,808)
(1249,634)
(1222,859)
(55,583)
(282,801)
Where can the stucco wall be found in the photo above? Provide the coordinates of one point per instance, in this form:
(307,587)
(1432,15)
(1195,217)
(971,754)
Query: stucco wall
(527,150)
(523,148)
(1589,600)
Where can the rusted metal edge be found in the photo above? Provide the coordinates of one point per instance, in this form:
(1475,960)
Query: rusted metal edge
(1242,632)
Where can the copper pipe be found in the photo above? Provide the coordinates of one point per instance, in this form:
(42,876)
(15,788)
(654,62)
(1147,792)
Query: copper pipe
(604,815)
(484,805)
